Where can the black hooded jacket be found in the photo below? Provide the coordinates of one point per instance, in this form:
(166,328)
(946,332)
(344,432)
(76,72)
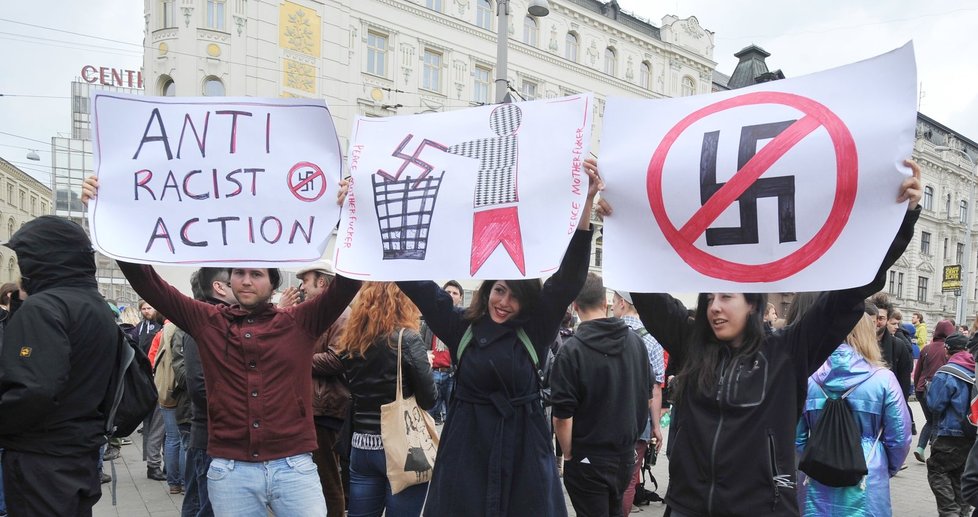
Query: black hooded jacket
(601,378)
(59,347)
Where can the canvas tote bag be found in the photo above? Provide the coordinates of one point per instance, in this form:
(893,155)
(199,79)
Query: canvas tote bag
(409,435)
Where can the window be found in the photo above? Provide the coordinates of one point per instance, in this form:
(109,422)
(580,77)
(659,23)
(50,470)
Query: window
(529,90)
(610,61)
(215,14)
(530,32)
(167,87)
(376,54)
(480,89)
(959,254)
(431,77)
(922,289)
(483,14)
(928,198)
(947,205)
(34,207)
(433,4)
(10,194)
(169,13)
(10,228)
(896,284)
(571,46)
(925,243)
(213,87)
(945,249)
(23,200)
(963,212)
(645,75)
(689,86)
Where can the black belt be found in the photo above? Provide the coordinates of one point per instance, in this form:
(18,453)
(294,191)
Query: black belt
(443,370)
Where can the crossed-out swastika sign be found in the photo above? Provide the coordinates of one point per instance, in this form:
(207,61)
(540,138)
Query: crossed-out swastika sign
(789,185)
(307,181)
(747,185)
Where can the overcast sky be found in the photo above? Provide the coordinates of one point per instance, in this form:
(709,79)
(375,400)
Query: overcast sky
(44,44)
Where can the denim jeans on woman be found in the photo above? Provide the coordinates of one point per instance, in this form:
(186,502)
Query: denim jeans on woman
(288,486)
(174,447)
(370,492)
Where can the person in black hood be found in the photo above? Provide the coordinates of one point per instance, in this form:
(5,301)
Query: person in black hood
(53,376)
(601,389)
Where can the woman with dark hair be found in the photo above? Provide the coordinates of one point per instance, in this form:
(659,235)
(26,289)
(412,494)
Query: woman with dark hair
(368,348)
(740,392)
(496,455)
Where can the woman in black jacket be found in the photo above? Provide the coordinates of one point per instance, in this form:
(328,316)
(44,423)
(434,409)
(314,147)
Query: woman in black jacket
(368,349)
(740,392)
(496,453)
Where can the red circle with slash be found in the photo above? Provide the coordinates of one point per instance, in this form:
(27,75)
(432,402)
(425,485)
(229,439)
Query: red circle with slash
(296,184)
(683,239)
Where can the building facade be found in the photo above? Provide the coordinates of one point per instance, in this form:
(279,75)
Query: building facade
(22,198)
(73,161)
(946,224)
(398,57)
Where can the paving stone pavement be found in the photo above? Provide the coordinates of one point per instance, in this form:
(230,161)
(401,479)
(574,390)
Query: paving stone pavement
(142,497)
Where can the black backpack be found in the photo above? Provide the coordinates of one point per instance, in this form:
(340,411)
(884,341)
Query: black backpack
(834,454)
(132,392)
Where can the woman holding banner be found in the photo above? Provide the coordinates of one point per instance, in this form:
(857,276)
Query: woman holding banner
(740,392)
(496,453)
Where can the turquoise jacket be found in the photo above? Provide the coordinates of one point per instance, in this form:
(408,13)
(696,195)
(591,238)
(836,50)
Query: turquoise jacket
(881,411)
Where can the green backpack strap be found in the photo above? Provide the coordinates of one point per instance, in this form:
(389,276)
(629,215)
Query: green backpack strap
(520,333)
(464,343)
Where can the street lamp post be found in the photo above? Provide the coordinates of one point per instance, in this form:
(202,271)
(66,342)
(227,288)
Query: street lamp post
(962,313)
(538,8)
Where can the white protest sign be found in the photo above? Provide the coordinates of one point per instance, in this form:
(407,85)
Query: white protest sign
(789,185)
(216,181)
(489,192)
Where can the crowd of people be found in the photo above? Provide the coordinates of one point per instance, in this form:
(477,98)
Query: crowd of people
(279,406)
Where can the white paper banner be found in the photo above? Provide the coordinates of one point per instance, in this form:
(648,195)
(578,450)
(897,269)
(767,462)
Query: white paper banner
(489,192)
(217,181)
(789,185)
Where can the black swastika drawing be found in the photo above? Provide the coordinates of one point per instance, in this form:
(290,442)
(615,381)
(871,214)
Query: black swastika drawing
(308,186)
(782,187)
(404,206)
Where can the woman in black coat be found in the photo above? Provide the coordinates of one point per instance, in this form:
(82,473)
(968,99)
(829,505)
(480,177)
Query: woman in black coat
(496,454)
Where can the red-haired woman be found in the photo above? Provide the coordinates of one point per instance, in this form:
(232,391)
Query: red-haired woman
(368,349)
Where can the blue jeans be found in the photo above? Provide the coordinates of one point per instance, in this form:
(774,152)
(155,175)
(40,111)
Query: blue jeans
(445,383)
(370,493)
(195,500)
(174,446)
(289,486)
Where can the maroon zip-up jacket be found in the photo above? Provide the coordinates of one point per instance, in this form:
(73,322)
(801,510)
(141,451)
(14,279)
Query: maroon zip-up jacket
(256,364)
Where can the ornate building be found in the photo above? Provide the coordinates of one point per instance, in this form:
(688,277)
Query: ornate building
(22,198)
(396,57)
